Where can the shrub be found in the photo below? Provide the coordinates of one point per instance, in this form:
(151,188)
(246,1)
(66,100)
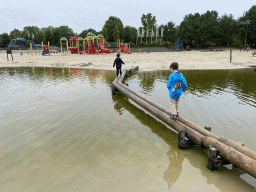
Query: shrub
(167,44)
(132,44)
(154,44)
(142,44)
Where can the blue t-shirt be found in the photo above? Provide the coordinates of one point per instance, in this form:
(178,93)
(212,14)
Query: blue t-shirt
(176,84)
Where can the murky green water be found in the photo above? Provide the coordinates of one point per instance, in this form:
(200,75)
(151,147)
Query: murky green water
(62,130)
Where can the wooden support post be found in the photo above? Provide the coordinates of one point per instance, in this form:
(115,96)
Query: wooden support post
(42,43)
(77,44)
(49,47)
(129,47)
(88,47)
(230,55)
(214,160)
(67,47)
(98,46)
(84,45)
(61,47)
(31,49)
(182,141)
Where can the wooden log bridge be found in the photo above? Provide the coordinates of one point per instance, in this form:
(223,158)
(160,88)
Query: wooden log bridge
(221,151)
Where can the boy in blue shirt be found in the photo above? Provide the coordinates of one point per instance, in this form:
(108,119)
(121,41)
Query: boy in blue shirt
(176,85)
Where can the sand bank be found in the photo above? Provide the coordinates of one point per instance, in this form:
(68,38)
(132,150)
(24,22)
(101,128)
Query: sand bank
(146,61)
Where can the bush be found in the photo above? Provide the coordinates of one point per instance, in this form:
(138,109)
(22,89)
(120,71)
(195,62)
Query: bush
(154,44)
(167,44)
(142,44)
(132,44)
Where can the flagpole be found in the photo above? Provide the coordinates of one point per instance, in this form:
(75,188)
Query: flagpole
(151,35)
(161,36)
(156,34)
(147,36)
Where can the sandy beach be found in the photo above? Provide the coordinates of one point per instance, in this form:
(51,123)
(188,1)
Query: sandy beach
(146,61)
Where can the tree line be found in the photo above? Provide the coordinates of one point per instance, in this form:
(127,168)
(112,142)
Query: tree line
(196,30)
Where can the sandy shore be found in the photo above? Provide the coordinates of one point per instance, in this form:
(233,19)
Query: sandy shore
(146,61)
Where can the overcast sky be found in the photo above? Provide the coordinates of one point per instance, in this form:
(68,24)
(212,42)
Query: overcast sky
(80,15)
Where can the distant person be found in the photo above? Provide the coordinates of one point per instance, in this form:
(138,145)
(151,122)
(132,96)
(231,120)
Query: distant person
(176,85)
(118,62)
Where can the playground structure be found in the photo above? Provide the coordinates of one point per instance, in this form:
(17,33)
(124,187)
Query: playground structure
(20,43)
(178,44)
(102,48)
(45,49)
(88,45)
(124,47)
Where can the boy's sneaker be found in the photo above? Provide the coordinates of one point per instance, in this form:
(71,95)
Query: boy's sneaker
(174,117)
(177,114)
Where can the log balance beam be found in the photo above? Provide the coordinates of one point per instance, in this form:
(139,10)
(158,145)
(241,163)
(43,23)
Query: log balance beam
(222,151)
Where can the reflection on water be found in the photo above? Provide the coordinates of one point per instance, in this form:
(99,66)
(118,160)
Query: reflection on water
(62,130)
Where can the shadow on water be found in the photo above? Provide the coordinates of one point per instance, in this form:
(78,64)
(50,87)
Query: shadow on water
(197,157)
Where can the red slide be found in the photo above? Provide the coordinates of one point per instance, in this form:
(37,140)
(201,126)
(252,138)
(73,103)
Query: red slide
(123,49)
(103,49)
(92,48)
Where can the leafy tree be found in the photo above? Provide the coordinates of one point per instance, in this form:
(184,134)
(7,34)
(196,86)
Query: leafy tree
(104,33)
(47,36)
(133,34)
(31,32)
(199,29)
(85,32)
(15,33)
(110,25)
(251,16)
(65,31)
(56,36)
(5,39)
(148,21)
(130,34)
(116,34)
(39,37)
(169,32)
(227,30)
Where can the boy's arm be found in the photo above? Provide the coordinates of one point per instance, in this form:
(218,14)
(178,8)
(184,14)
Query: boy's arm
(122,61)
(114,63)
(184,82)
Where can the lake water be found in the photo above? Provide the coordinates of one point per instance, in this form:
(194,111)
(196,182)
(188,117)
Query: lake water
(63,130)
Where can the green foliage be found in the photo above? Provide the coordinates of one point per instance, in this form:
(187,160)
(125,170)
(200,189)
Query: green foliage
(153,44)
(251,16)
(5,39)
(169,32)
(167,44)
(47,36)
(148,21)
(132,44)
(130,34)
(55,39)
(116,34)
(104,33)
(15,33)
(39,37)
(142,44)
(110,25)
(84,33)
